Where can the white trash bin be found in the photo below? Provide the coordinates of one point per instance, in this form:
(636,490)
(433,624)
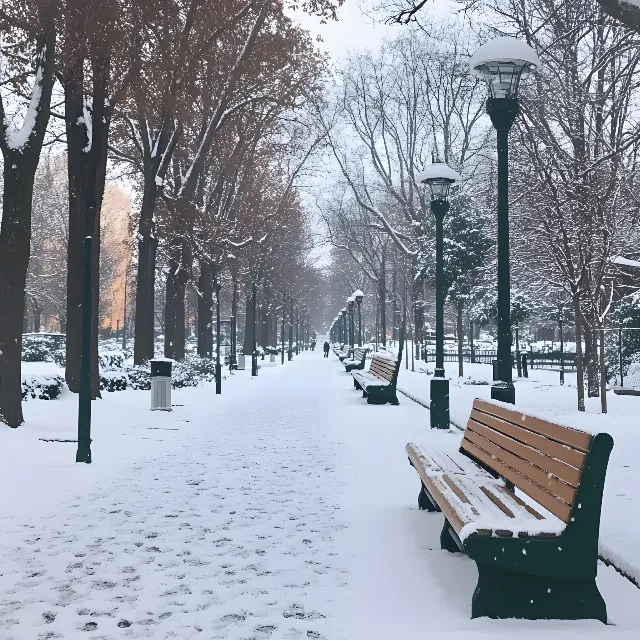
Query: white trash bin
(272,358)
(240,362)
(161,385)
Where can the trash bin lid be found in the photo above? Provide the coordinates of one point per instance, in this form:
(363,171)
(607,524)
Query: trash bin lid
(161,367)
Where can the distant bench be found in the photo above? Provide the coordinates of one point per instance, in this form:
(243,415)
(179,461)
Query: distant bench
(356,363)
(536,559)
(379,384)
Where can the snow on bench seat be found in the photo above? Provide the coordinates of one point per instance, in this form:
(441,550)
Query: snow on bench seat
(475,502)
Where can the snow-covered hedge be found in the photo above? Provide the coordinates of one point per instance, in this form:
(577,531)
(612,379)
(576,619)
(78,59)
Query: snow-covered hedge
(42,347)
(113,381)
(116,374)
(111,360)
(42,387)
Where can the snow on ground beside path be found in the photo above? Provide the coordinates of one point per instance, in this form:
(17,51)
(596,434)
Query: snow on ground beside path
(401,584)
(284,509)
(542,395)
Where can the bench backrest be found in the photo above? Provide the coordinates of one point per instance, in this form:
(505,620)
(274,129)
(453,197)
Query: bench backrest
(542,459)
(383,367)
(360,353)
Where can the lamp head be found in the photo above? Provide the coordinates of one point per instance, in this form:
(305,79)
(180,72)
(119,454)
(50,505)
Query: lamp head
(439,177)
(502,63)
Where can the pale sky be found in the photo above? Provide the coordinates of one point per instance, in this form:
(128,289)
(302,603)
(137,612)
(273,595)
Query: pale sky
(359,27)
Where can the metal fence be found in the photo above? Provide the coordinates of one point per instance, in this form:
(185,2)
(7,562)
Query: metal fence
(535,360)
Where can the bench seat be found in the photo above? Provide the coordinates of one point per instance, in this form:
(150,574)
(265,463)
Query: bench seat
(477,502)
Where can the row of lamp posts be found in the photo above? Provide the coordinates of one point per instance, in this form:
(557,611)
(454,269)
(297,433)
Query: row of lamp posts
(342,329)
(502,63)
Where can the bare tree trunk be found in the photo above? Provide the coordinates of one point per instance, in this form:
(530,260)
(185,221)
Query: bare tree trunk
(37,317)
(14,262)
(460,332)
(603,375)
(249,323)
(87,166)
(394,295)
(15,230)
(382,293)
(205,310)
(591,359)
(145,286)
(579,355)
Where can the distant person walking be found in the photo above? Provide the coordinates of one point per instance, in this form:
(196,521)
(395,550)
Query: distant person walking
(326,349)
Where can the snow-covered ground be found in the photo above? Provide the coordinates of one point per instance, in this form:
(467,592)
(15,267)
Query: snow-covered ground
(284,508)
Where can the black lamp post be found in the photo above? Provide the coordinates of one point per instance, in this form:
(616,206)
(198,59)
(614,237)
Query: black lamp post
(352,328)
(83,452)
(344,325)
(217,288)
(254,348)
(359,296)
(290,352)
(284,314)
(502,63)
(439,177)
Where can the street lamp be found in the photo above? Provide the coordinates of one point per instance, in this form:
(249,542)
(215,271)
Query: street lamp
(503,62)
(359,296)
(352,301)
(439,177)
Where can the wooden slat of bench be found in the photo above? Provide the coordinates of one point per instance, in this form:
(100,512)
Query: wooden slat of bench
(565,472)
(445,461)
(452,512)
(557,488)
(552,504)
(551,448)
(565,435)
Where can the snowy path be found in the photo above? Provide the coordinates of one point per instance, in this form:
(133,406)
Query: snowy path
(285,509)
(225,535)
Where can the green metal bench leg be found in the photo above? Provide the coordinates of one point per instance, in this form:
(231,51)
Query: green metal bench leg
(447,540)
(507,594)
(425,502)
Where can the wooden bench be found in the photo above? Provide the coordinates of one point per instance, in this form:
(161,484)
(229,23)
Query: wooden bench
(378,385)
(536,548)
(344,355)
(357,362)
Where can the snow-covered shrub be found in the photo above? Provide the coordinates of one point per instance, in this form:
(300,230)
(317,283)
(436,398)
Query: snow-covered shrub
(111,360)
(42,387)
(113,381)
(40,347)
(139,378)
(192,371)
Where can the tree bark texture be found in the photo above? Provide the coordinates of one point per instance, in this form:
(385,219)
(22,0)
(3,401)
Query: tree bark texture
(460,332)
(579,354)
(15,231)
(87,167)
(382,295)
(205,310)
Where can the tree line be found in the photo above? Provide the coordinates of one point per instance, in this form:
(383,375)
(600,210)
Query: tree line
(203,104)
